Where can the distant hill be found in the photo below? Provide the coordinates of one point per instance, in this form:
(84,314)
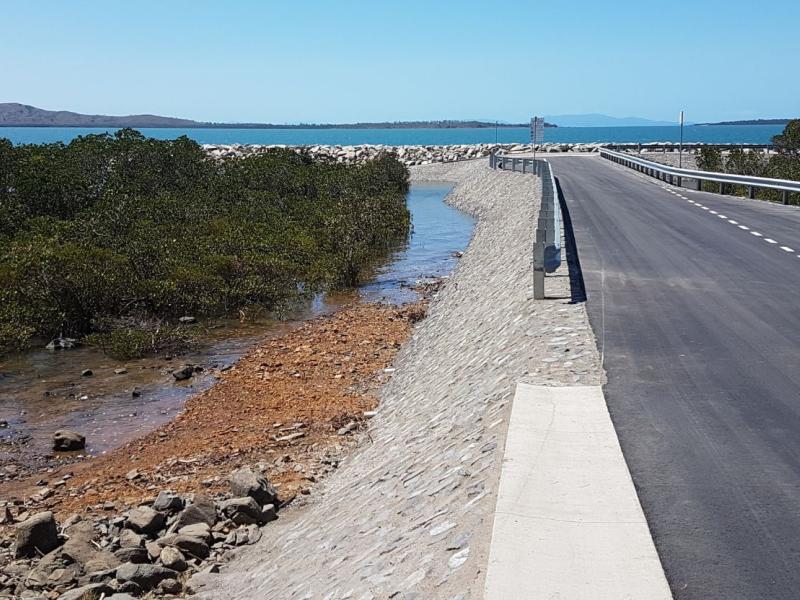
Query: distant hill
(598,120)
(751,122)
(13,114)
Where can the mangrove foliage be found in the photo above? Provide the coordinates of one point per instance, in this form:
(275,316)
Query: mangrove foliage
(110,230)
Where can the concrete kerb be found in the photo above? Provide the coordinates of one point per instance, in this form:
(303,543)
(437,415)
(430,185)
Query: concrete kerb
(568,523)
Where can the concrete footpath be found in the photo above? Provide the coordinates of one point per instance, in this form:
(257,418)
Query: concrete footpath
(568,523)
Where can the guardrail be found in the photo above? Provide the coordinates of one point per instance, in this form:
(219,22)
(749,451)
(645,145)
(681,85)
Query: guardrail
(675,175)
(547,243)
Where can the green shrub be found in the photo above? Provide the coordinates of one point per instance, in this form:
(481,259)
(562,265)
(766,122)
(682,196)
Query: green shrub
(124,225)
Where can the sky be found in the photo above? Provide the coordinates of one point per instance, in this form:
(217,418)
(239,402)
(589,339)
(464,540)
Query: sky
(342,61)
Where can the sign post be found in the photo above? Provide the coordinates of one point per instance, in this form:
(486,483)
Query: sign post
(537,132)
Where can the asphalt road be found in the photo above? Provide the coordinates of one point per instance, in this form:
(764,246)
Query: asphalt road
(699,325)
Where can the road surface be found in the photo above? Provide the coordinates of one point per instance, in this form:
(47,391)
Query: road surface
(694,301)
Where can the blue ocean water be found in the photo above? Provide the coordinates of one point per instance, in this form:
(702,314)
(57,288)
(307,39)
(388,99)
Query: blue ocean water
(742,134)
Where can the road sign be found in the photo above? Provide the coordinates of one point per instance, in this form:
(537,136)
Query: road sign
(537,130)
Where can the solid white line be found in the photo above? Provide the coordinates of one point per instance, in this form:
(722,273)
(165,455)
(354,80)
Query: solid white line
(770,241)
(786,249)
(568,523)
(756,233)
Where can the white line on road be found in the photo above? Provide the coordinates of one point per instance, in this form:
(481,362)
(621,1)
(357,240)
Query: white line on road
(745,227)
(756,233)
(732,222)
(786,249)
(770,241)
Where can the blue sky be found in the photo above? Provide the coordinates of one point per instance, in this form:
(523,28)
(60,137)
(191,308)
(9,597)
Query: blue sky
(345,61)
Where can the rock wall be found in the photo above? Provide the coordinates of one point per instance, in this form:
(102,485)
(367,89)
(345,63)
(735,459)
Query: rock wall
(409,155)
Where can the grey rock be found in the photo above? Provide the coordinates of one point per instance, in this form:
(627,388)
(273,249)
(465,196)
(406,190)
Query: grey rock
(65,440)
(145,576)
(93,590)
(191,545)
(36,534)
(183,373)
(144,519)
(129,539)
(170,586)
(122,596)
(167,501)
(198,530)
(134,554)
(153,549)
(202,510)
(268,514)
(62,343)
(172,558)
(246,482)
(242,511)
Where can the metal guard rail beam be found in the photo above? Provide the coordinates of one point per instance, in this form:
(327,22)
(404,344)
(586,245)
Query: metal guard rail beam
(655,169)
(547,244)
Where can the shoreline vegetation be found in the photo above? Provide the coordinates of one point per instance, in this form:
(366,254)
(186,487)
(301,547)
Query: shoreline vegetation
(116,237)
(782,163)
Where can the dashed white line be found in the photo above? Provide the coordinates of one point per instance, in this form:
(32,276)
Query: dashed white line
(722,216)
(745,227)
(770,241)
(756,233)
(713,212)
(732,222)
(786,249)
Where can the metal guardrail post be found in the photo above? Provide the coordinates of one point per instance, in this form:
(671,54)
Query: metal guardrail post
(785,197)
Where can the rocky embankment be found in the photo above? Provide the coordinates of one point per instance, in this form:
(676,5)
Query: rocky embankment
(155,547)
(410,155)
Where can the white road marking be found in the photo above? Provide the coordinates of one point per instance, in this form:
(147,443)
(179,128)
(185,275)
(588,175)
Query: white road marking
(745,227)
(722,216)
(732,222)
(786,249)
(713,212)
(756,233)
(770,241)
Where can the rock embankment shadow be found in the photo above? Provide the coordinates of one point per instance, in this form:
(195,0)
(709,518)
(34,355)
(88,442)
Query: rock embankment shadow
(576,284)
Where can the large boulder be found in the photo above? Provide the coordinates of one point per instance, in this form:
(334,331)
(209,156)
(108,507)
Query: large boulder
(144,519)
(172,558)
(37,534)
(66,440)
(242,511)
(167,501)
(145,576)
(191,545)
(246,482)
(202,510)
(93,590)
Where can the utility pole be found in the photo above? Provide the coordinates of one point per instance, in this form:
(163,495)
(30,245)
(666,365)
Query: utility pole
(680,147)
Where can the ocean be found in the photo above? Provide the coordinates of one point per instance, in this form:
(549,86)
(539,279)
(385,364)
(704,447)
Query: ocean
(719,134)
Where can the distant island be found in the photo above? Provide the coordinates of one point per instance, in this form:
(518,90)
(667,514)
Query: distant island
(13,114)
(749,122)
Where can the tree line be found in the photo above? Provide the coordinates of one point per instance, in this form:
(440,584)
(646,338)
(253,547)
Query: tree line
(111,235)
(783,163)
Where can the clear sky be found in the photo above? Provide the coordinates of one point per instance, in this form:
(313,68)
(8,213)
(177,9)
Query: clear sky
(344,61)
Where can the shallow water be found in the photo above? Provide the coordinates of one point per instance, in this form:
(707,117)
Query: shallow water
(42,391)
